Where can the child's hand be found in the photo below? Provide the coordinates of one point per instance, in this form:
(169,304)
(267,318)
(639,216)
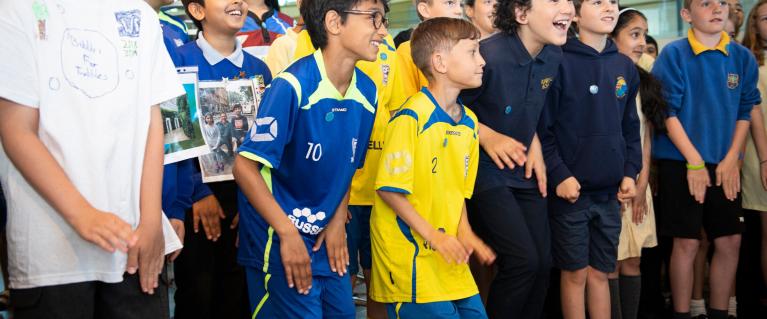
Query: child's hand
(627,191)
(503,149)
(449,247)
(697,182)
(639,206)
(148,255)
(535,163)
(569,189)
(728,177)
(475,245)
(763,169)
(334,237)
(105,230)
(296,261)
(209,212)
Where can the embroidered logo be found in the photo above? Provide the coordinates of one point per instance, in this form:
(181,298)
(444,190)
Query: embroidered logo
(732,80)
(546,83)
(621,88)
(128,23)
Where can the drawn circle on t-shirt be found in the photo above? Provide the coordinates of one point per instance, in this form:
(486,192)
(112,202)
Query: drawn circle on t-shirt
(54,84)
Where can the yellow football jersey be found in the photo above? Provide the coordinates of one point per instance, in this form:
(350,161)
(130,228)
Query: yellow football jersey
(433,160)
(382,72)
(409,79)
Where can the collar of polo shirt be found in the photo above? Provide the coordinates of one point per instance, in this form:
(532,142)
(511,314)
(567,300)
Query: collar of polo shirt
(699,48)
(213,57)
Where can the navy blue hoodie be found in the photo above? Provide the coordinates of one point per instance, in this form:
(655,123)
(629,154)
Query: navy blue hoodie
(589,127)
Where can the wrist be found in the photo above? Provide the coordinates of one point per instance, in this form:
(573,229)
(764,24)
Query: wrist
(695,167)
(285,230)
(763,162)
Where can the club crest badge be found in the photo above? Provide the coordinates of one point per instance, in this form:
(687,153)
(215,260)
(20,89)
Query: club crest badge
(621,88)
(732,80)
(546,83)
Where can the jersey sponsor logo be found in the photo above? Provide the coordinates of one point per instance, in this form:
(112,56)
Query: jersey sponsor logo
(398,162)
(375,145)
(454,133)
(304,220)
(466,166)
(733,80)
(178,42)
(128,23)
(339,109)
(385,69)
(621,88)
(546,83)
(270,135)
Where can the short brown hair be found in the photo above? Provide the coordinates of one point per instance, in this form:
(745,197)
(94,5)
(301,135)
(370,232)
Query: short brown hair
(687,4)
(436,34)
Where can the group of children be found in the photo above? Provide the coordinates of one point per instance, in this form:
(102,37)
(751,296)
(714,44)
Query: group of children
(528,150)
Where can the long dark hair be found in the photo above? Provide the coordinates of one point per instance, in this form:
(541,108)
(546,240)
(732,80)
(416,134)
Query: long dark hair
(752,39)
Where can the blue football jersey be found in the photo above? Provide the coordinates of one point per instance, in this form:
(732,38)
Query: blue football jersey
(310,140)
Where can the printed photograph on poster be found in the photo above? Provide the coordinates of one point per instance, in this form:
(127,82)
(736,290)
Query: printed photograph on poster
(181,123)
(228,109)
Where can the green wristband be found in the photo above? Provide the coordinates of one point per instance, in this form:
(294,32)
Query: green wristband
(696,167)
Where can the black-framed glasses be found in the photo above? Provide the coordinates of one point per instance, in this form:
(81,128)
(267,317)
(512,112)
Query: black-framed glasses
(378,18)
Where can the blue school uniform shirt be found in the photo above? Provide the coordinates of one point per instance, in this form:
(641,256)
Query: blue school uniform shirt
(708,90)
(273,21)
(309,141)
(590,127)
(510,101)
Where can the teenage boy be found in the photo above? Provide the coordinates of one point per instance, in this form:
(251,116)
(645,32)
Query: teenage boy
(86,234)
(591,142)
(409,79)
(710,85)
(509,208)
(295,167)
(422,239)
(217,54)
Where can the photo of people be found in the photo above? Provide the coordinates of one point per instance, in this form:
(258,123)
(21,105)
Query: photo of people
(183,136)
(228,108)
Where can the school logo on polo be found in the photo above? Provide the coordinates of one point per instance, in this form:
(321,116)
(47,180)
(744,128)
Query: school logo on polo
(621,88)
(732,80)
(546,83)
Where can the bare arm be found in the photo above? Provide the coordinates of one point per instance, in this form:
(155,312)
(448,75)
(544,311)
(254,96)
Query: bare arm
(697,180)
(728,170)
(295,257)
(448,246)
(18,131)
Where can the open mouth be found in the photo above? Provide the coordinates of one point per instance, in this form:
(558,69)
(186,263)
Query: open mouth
(234,12)
(375,43)
(608,19)
(562,24)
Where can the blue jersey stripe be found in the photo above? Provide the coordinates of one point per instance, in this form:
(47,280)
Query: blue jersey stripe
(405,229)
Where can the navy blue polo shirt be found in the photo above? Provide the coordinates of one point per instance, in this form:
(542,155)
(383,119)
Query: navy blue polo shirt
(510,100)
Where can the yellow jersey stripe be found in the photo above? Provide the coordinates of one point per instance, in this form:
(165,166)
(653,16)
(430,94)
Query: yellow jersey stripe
(266,296)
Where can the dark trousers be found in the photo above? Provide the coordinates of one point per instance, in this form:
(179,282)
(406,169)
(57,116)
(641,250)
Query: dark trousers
(515,223)
(210,282)
(91,300)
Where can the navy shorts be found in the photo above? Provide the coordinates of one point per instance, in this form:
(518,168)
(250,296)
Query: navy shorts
(586,234)
(358,238)
(467,308)
(270,297)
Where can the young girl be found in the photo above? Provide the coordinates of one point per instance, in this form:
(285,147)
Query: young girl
(480,13)
(755,161)
(638,229)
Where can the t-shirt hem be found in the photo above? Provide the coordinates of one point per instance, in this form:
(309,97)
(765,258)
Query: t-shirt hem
(21,99)
(63,279)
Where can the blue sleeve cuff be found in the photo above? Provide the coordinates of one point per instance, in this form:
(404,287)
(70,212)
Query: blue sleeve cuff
(200,189)
(394,190)
(558,174)
(175,213)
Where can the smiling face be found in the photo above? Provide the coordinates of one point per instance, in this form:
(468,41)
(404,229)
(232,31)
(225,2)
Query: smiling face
(597,16)
(707,16)
(358,33)
(224,16)
(547,21)
(481,15)
(631,38)
(464,63)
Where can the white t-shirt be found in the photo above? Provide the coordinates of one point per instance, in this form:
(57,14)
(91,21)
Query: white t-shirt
(93,69)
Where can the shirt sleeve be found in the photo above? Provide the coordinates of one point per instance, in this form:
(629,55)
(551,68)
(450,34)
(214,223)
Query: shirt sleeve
(471,166)
(556,168)
(667,70)
(397,167)
(18,68)
(162,79)
(405,82)
(631,135)
(273,126)
(749,95)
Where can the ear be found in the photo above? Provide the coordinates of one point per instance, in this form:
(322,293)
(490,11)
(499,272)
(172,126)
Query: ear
(438,62)
(520,15)
(423,9)
(333,22)
(197,11)
(686,15)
